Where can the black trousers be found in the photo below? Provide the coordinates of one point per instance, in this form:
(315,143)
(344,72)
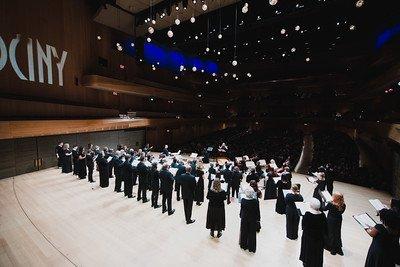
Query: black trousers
(178,191)
(128,186)
(90,173)
(142,192)
(188,205)
(154,197)
(167,199)
(118,182)
(235,189)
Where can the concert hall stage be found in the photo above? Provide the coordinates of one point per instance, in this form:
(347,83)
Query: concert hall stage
(49,218)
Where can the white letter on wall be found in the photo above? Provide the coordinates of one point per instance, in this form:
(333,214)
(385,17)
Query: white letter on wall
(14,64)
(46,58)
(31,67)
(60,65)
(3,51)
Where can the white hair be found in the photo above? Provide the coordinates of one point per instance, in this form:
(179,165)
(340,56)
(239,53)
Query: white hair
(315,205)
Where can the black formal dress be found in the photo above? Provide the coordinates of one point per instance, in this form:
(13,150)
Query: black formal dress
(75,156)
(90,165)
(292,215)
(81,166)
(127,177)
(280,206)
(249,219)
(384,250)
(66,156)
(321,184)
(154,178)
(216,210)
(58,151)
(143,182)
(270,189)
(167,186)
(118,163)
(312,241)
(188,184)
(199,193)
(103,171)
(333,240)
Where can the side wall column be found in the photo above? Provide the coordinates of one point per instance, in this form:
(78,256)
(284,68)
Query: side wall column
(306,156)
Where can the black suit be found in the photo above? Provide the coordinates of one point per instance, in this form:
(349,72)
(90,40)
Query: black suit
(90,166)
(118,174)
(154,180)
(126,174)
(143,182)
(167,185)
(188,184)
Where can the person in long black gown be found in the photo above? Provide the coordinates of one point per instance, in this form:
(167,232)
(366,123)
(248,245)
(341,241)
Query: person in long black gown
(90,164)
(75,157)
(333,241)
(384,250)
(249,219)
(282,184)
(329,177)
(216,209)
(66,156)
(292,215)
(270,187)
(154,178)
(58,151)
(103,170)
(167,186)
(199,192)
(81,163)
(312,241)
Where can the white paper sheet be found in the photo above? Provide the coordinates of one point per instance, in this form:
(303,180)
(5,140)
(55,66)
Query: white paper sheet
(173,171)
(303,207)
(213,176)
(250,164)
(224,186)
(285,192)
(326,196)
(262,162)
(238,159)
(364,220)
(135,163)
(276,179)
(197,179)
(193,155)
(377,204)
(312,179)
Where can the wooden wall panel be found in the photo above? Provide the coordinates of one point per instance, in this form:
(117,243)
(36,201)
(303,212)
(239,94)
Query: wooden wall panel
(46,150)
(25,153)
(7,159)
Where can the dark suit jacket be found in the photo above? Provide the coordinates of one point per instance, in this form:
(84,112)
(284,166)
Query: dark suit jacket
(188,183)
(167,182)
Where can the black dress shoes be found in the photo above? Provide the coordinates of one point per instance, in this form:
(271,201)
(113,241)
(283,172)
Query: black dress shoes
(171,212)
(191,221)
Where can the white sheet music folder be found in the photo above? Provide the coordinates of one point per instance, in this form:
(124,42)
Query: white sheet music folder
(193,155)
(173,171)
(377,204)
(285,192)
(303,207)
(276,179)
(365,220)
(326,196)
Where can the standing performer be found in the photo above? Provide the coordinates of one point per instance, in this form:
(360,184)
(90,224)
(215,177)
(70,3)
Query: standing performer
(321,184)
(216,209)
(167,186)
(270,187)
(188,184)
(280,206)
(199,192)
(127,175)
(90,163)
(250,216)
(211,170)
(312,240)
(236,179)
(154,178)
(118,162)
(143,182)
(103,170)
(81,163)
(292,215)
(66,155)
(58,151)
(75,156)
(335,209)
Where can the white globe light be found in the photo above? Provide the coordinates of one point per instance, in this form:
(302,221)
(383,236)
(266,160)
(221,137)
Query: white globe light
(352,27)
(293,50)
(119,48)
(204,7)
(225,74)
(151,30)
(170,34)
(308,59)
(208,49)
(359,3)
(297,28)
(192,19)
(194,68)
(234,63)
(283,31)
(148,39)
(177,22)
(273,2)
(220,36)
(245,10)
(154,22)
(249,75)
(234,75)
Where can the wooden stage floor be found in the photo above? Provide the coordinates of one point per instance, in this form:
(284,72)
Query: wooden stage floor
(53,219)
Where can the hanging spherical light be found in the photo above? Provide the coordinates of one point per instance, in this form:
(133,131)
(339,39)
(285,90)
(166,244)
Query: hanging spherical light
(234,63)
(153,22)
(273,2)
(194,68)
(234,75)
(204,7)
(245,10)
(207,49)
(293,49)
(170,34)
(177,21)
(359,3)
(220,36)
(151,30)
(352,27)
(148,39)
(193,19)
(297,28)
(283,31)
(249,75)
(308,59)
